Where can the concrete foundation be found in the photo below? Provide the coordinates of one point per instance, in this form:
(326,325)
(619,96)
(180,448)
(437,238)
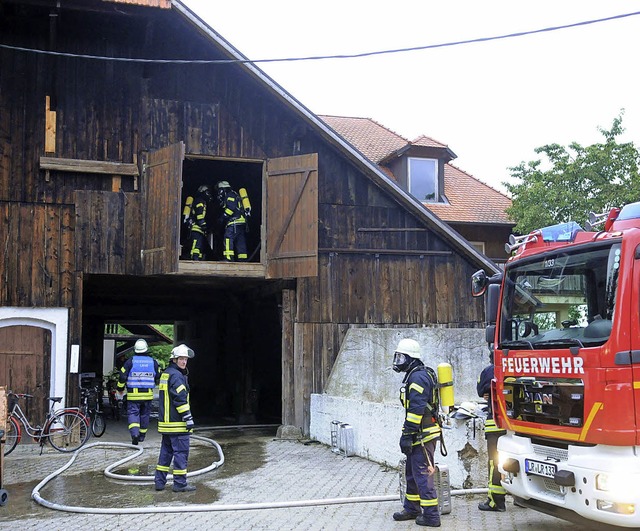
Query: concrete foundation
(363,391)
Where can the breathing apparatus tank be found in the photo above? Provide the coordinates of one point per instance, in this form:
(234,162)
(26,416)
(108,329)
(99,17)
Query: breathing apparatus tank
(445,384)
(246,204)
(186,212)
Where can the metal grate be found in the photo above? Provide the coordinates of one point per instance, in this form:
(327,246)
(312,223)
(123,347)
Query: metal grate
(559,454)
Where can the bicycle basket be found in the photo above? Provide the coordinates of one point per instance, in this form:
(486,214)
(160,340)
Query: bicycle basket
(12,400)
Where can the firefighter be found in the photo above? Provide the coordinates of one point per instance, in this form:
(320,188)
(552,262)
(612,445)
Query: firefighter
(496,499)
(139,374)
(420,433)
(195,215)
(175,421)
(234,219)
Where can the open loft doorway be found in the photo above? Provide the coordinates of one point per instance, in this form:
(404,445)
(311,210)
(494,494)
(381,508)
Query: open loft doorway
(242,176)
(233,325)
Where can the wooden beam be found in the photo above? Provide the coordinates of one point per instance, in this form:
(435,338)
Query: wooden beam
(221,268)
(391,229)
(88,166)
(399,252)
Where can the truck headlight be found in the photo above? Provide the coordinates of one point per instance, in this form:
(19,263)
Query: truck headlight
(617,483)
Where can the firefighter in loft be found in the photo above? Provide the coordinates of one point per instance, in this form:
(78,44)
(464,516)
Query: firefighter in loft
(195,218)
(420,433)
(140,374)
(236,210)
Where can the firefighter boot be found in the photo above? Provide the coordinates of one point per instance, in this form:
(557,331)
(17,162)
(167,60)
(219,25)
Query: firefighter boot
(496,504)
(405,515)
(429,518)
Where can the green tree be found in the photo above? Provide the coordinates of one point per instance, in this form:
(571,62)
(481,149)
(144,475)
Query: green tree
(569,182)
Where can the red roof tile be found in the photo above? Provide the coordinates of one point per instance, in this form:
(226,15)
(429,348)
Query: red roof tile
(469,199)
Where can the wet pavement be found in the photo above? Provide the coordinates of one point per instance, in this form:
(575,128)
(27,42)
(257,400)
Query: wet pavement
(258,468)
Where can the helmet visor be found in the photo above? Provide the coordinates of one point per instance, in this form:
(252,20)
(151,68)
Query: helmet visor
(400,361)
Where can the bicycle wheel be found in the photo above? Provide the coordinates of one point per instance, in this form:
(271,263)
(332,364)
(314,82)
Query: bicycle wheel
(98,424)
(12,435)
(67,430)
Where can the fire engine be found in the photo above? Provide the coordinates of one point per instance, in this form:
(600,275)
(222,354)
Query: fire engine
(564,331)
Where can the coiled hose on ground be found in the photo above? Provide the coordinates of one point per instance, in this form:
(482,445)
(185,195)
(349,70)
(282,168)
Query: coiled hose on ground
(35,494)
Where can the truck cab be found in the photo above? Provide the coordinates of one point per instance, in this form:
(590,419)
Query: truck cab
(566,340)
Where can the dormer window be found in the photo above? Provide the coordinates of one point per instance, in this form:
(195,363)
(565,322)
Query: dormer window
(422,179)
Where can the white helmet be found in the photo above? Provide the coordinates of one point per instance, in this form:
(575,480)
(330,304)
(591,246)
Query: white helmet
(410,347)
(466,410)
(406,351)
(182,351)
(141,346)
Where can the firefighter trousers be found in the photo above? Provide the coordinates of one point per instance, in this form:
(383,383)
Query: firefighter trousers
(421,495)
(173,448)
(138,413)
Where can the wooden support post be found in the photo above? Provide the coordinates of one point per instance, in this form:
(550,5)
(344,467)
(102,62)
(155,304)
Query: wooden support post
(3,425)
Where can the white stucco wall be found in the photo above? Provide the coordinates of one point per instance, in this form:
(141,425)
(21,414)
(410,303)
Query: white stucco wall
(57,321)
(363,391)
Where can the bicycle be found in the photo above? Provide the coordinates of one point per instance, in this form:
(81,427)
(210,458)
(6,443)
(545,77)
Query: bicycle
(66,429)
(91,407)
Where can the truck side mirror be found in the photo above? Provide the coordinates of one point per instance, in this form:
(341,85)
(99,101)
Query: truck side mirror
(489,334)
(493,297)
(479,283)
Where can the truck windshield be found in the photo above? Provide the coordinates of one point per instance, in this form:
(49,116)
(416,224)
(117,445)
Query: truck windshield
(560,299)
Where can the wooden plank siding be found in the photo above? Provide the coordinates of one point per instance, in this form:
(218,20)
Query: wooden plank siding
(37,263)
(108,237)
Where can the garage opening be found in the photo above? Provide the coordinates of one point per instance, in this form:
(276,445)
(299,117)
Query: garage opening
(232,324)
(241,175)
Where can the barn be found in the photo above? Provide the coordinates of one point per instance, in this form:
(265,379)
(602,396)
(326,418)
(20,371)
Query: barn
(112,113)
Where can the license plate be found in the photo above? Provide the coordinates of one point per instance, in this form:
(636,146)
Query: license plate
(538,468)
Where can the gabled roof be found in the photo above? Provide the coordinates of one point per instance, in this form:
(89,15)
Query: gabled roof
(372,170)
(374,140)
(469,200)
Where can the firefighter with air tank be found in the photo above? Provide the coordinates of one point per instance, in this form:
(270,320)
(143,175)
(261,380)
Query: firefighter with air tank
(421,431)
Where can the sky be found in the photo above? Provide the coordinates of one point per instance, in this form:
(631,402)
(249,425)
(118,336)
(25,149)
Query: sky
(491,102)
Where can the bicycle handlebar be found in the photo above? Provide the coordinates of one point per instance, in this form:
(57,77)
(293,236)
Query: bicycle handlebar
(19,395)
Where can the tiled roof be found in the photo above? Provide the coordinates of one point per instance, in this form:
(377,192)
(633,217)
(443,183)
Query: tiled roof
(369,137)
(469,199)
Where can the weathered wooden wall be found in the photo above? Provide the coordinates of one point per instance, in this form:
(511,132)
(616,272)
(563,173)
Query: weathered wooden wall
(379,265)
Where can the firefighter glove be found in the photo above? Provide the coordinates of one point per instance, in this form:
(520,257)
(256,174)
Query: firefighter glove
(406,443)
(189,421)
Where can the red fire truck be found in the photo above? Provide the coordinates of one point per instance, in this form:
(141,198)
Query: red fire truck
(565,335)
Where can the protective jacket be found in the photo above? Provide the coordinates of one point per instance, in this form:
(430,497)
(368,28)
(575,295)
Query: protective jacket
(484,388)
(199,214)
(140,374)
(174,401)
(232,209)
(418,398)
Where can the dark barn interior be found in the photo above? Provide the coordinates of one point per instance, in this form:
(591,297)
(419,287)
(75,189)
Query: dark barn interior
(234,328)
(197,171)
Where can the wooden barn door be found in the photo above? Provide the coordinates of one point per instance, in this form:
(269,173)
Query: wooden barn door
(25,357)
(292,217)
(161,181)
